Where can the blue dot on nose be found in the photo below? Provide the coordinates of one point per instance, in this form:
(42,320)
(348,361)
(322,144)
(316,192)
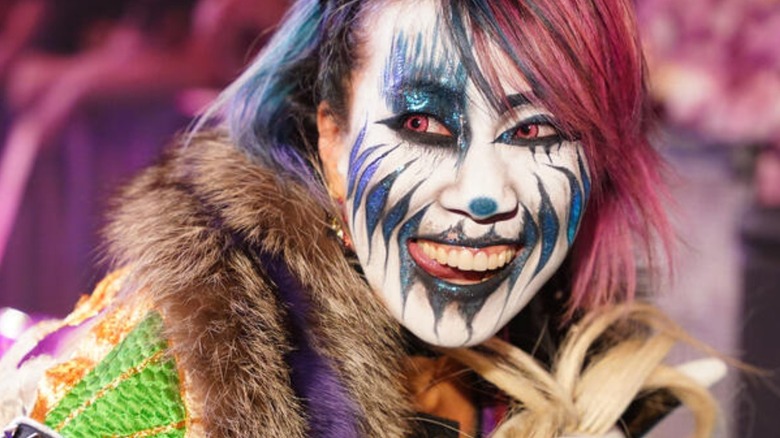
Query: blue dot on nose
(483,207)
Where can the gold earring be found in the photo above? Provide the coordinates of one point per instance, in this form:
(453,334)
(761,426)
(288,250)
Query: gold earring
(337,227)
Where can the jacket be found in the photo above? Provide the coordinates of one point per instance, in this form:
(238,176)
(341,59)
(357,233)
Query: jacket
(235,284)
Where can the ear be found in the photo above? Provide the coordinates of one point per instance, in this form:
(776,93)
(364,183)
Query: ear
(331,148)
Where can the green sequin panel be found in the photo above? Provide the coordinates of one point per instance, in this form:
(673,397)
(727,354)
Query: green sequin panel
(135,389)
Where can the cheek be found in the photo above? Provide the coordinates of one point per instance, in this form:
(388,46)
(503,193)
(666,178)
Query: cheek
(555,170)
(565,188)
(401,168)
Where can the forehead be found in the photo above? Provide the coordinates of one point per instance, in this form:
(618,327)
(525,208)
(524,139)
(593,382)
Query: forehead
(410,42)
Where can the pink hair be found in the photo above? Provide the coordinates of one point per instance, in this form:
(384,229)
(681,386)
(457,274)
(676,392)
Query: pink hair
(584,61)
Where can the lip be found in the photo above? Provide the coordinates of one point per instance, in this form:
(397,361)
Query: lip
(463,263)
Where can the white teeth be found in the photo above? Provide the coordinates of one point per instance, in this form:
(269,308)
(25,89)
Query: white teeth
(510,255)
(480,262)
(492,261)
(467,260)
(441,256)
(452,259)
(501,258)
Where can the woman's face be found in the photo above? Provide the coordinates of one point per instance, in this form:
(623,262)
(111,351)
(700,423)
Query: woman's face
(459,212)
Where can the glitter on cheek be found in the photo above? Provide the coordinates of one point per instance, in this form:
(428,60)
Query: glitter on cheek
(549,226)
(376,201)
(576,212)
(530,239)
(395,216)
(356,163)
(576,205)
(357,144)
(407,230)
(365,178)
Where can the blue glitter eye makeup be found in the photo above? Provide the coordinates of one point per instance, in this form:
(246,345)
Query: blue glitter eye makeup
(422,85)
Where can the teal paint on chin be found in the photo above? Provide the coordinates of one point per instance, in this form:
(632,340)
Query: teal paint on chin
(483,207)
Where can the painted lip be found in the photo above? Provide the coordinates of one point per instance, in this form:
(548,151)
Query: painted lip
(463,263)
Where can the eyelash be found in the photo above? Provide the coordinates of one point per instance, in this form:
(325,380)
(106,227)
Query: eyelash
(401,124)
(536,124)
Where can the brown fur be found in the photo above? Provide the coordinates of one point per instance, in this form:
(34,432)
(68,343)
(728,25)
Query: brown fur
(185,227)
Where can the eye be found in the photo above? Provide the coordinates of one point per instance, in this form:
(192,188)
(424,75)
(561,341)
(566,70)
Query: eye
(424,124)
(536,131)
(416,123)
(527,130)
(421,128)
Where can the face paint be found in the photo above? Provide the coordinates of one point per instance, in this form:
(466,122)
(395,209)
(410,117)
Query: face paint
(459,212)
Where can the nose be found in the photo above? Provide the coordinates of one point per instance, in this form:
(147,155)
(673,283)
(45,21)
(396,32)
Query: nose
(481,190)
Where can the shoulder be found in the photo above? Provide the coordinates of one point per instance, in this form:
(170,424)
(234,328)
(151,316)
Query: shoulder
(58,361)
(254,298)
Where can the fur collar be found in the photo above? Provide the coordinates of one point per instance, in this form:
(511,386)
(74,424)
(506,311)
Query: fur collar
(256,293)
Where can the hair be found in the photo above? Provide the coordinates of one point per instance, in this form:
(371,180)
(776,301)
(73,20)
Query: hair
(613,355)
(583,61)
(270,110)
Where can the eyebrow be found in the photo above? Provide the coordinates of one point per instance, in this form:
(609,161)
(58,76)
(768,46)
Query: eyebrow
(517,99)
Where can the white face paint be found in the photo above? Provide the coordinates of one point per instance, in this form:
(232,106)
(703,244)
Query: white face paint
(458,212)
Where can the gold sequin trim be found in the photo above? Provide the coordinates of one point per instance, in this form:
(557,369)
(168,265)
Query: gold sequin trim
(94,345)
(60,378)
(156,430)
(90,305)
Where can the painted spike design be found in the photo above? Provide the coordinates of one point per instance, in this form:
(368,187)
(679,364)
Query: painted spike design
(356,164)
(394,217)
(530,237)
(549,227)
(376,201)
(408,229)
(366,176)
(356,161)
(577,202)
(585,178)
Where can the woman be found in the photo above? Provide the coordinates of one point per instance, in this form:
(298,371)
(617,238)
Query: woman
(452,159)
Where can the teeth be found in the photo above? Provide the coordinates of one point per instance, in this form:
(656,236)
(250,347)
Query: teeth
(452,259)
(480,262)
(467,260)
(441,256)
(492,261)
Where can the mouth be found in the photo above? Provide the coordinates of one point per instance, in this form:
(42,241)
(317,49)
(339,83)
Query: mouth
(459,264)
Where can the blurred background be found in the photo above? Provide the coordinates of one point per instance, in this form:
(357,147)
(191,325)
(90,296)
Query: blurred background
(91,90)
